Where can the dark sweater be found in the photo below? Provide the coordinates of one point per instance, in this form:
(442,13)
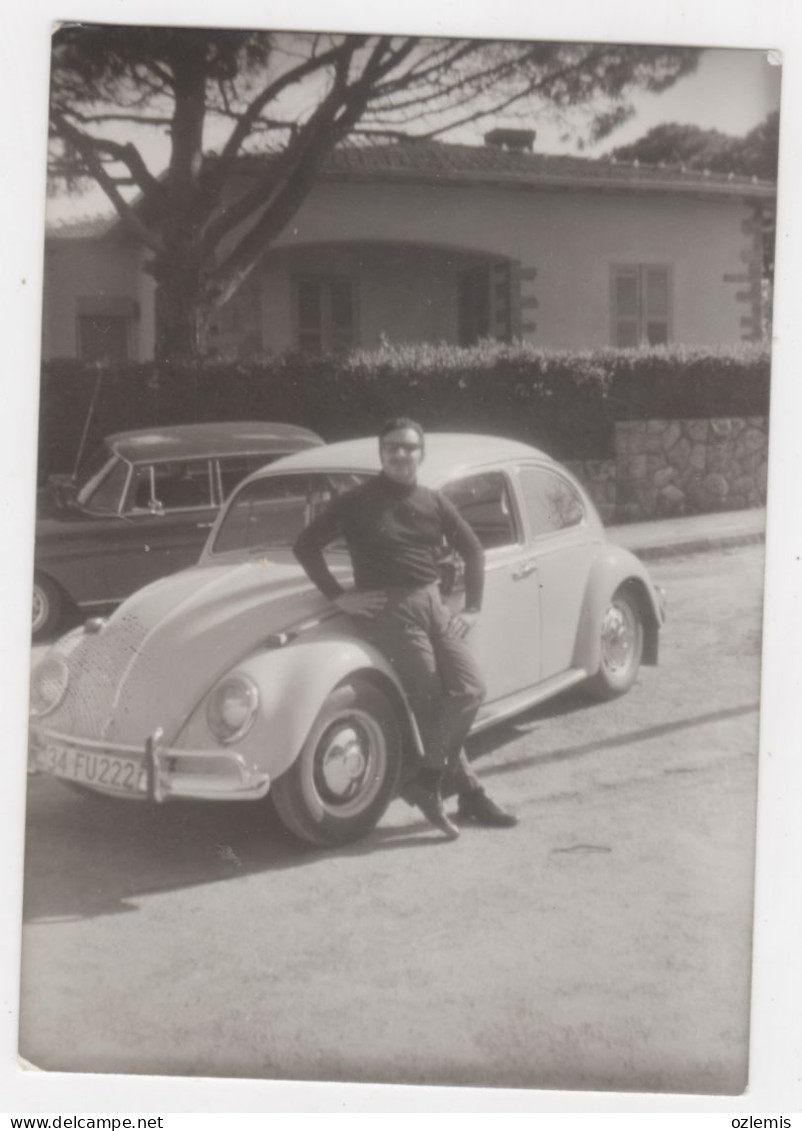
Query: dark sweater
(395,535)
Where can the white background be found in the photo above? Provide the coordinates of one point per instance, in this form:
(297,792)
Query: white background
(777,1009)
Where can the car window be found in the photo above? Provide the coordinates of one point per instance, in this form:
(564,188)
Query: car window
(272,512)
(233,469)
(484,502)
(171,486)
(103,485)
(552,503)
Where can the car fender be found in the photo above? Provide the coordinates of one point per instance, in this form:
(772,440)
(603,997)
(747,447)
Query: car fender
(613,568)
(294,681)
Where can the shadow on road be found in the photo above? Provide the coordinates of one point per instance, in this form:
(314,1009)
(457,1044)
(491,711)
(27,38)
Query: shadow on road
(88,856)
(619,740)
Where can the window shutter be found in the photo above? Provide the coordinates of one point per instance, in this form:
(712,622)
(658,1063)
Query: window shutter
(341,299)
(309,316)
(326,314)
(626,306)
(641,305)
(656,308)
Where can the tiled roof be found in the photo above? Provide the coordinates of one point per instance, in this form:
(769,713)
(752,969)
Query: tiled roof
(442,162)
(485,162)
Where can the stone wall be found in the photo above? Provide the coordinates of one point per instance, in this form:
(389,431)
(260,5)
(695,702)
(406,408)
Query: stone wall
(674,467)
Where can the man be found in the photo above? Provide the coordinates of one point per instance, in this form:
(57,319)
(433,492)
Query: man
(395,530)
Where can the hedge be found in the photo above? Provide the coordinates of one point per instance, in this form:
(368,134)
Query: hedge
(564,402)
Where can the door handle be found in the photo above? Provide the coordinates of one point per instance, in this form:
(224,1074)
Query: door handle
(205,525)
(524,571)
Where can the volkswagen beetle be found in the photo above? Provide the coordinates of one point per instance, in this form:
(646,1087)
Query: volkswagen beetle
(236,677)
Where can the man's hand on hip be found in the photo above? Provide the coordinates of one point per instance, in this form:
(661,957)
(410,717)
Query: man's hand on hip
(365,604)
(462,623)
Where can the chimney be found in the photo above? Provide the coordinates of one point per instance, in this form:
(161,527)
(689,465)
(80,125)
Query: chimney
(519,141)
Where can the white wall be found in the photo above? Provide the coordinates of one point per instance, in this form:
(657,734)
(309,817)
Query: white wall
(87,269)
(406,242)
(404,293)
(570,238)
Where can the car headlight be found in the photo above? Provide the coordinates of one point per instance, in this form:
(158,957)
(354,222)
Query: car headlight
(231,708)
(48,686)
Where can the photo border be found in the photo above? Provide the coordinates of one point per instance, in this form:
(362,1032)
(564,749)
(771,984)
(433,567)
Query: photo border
(776,1052)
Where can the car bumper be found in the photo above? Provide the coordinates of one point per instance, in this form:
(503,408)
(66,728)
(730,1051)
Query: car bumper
(152,772)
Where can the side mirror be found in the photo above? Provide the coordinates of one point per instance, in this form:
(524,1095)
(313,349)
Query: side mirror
(63,488)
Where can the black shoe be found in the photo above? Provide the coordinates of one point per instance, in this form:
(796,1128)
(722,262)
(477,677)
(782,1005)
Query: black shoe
(478,807)
(430,804)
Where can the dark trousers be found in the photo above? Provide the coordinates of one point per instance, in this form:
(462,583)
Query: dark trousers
(438,673)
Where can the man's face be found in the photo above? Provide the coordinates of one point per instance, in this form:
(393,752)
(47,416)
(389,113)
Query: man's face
(401,455)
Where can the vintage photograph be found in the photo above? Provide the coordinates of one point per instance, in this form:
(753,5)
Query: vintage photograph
(399,557)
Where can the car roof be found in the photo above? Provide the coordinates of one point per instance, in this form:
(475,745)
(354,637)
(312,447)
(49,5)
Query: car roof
(447,454)
(182,441)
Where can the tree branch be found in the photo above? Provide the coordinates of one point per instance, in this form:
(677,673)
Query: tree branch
(308,138)
(347,104)
(272,91)
(85,146)
(129,156)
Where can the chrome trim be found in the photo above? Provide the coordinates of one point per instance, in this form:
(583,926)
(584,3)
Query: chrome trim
(64,682)
(526,569)
(522,700)
(245,726)
(160,781)
(124,493)
(101,602)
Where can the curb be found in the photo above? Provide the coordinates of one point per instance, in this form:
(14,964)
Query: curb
(694,546)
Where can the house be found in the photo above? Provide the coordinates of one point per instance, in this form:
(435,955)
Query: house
(426,241)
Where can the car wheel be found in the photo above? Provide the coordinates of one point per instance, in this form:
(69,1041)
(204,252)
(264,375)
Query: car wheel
(47,606)
(621,647)
(348,769)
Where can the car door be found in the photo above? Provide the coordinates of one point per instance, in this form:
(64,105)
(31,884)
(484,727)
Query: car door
(557,524)
(169,510)
(506,640)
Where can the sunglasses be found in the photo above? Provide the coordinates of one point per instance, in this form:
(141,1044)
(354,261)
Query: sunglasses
(407,449)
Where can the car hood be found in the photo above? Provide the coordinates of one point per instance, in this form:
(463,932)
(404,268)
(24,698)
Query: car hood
(167,645)
(52,503)
(57,514)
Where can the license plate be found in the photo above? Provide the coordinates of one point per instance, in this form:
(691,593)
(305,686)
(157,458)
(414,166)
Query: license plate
(104,770)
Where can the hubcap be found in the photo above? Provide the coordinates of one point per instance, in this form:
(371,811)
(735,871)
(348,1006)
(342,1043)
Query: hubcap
(618,638)
(344,756)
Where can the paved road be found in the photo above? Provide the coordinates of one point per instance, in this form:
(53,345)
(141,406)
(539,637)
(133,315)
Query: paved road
(604,942)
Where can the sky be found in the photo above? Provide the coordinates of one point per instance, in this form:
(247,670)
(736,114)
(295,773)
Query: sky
(732,91)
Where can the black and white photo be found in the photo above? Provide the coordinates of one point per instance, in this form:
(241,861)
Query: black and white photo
(401,666)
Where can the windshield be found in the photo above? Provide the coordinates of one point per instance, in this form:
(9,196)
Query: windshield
(101,483)
(272,512)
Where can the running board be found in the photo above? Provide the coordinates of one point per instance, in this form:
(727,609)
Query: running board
(522,700)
